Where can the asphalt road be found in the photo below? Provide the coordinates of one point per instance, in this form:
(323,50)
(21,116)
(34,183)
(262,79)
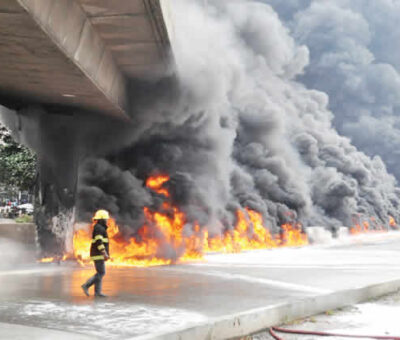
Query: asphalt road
(163,299)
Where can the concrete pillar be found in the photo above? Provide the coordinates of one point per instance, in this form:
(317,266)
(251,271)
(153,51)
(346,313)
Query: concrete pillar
(53,134)
(57,183)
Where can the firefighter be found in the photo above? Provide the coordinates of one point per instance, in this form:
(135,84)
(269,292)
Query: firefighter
(99,253)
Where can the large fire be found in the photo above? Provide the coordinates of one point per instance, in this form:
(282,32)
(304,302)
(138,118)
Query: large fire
(166,237)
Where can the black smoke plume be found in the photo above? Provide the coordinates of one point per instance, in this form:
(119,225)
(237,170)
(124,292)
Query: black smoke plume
(355,59)
(238,129)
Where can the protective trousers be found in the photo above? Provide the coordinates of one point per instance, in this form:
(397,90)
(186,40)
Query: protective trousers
(97,278)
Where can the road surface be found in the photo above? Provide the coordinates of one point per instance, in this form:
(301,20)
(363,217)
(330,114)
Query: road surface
(151,301)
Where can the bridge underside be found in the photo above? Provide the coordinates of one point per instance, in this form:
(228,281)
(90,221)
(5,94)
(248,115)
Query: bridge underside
(79,53)
(60,58)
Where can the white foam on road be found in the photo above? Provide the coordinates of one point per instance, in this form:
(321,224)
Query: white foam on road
(100,319)
(20,332)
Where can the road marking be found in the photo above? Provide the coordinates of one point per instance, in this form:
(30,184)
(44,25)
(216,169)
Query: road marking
(252,279)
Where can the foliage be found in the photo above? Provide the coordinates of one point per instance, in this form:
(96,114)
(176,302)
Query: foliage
(17,163)
(24,219)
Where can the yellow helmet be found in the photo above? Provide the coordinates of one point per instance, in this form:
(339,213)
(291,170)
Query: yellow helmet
(101,215)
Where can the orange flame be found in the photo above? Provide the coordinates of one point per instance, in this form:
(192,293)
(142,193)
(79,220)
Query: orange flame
(54,259)
(360,228)
(167,232)
(155,183)
(365,227)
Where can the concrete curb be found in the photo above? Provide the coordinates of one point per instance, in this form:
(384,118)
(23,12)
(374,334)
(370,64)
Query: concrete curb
(256,320)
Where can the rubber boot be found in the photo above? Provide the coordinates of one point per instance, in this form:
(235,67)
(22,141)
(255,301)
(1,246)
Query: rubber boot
(85,287)
(97,289)
(100,295)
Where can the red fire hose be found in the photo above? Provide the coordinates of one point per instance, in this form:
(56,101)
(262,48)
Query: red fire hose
(273,331)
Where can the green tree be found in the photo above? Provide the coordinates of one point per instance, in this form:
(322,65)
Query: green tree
(17,163)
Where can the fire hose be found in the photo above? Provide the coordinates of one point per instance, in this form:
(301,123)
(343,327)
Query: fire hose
(273,331)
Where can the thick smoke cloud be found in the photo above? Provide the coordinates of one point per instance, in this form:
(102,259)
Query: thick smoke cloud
(239,129)
(355,59)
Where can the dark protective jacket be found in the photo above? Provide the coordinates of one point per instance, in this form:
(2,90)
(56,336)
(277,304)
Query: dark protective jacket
(99,242)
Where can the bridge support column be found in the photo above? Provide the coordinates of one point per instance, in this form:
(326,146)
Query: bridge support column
(57,183)
(54,135)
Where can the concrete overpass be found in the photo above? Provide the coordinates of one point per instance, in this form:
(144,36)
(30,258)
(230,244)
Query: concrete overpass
(80,53)
(65,58)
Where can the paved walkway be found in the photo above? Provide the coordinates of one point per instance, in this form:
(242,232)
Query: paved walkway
(224,296)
